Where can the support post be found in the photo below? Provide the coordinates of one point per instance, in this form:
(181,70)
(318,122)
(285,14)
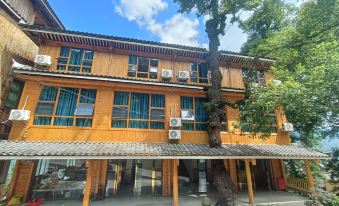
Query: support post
(310,180)
(175,183)
(249,182)
(233,174)
(283,170)
(87,194)
(14,179)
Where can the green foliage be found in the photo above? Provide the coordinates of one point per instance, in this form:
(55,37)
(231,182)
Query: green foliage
(323,198)
(333,169)
(271,16)
(306,50)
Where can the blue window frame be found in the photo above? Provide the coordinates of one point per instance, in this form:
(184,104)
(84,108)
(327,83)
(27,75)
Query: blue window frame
(75,60)
(65,107)
(138,110)
(199,72)
(196,106)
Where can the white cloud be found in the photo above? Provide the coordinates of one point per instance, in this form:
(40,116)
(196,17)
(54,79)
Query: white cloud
(140,11)
(178,29)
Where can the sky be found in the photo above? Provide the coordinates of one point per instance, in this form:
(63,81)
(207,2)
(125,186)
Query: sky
(154,20)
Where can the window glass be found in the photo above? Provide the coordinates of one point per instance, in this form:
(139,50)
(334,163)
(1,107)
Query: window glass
(143,111)
(196,106)
(59,179)
(14,94)
(142,67)
(72,104)
(75,60)
(199,72)
(256,76)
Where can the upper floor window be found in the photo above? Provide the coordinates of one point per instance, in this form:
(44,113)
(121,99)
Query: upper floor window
(65,107)
(195,105)
(199,72)
(75,60)
(142,67)
(272,126)
(256,76)
(138,110)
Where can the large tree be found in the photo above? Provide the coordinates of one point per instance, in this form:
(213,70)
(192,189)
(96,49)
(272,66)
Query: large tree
(306,52)
(217,12)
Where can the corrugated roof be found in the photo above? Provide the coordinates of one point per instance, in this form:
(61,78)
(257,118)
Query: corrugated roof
(130,80)
(119,150)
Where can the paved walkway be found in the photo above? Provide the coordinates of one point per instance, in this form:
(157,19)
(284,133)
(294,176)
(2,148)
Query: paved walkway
(260,198)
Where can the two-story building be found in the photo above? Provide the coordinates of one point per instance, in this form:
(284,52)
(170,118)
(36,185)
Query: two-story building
(116,117)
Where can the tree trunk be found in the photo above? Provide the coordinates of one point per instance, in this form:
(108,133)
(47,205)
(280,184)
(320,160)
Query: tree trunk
(215,111)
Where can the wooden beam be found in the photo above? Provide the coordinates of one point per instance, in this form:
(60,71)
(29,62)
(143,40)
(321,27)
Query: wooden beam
(310,180)
(249,182)
(175,183)
(87,194)
(233,173)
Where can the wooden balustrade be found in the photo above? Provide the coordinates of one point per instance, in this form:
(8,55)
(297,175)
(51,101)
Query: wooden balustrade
(298,184)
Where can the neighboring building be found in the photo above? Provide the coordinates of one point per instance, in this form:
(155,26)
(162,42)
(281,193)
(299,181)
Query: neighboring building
(100,122)
(15,44)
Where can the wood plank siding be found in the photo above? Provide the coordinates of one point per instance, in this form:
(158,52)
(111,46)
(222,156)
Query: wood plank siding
(101,128)
(116,64)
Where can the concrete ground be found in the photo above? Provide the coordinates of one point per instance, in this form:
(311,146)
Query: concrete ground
(263,198)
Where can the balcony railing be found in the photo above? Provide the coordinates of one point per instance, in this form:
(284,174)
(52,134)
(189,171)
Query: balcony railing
(298,184)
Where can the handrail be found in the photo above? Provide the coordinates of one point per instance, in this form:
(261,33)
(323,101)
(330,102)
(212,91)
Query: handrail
(298,184)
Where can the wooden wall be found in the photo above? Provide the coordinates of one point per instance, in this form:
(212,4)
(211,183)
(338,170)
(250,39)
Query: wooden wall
(101,129)
(14,44)
(115,64)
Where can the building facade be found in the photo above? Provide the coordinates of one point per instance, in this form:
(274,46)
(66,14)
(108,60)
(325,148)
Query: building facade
(100,124)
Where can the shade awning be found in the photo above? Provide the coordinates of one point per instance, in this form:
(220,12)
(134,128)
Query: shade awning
(129,150)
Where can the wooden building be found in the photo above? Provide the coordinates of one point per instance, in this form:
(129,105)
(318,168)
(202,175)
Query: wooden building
(100,122)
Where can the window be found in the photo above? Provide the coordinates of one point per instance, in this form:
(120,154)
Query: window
(199,72)
(142,67)
(14,94)
(65,107)
(196,106)
(138,110)
(75,60)
(256,76)
(57,179)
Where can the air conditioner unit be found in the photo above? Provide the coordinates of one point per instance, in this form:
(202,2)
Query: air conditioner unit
(18,114)
(275,82)
(166,73)
(288,127)
(153,70)
(187,115)
(183,75)
(174,134)
(43,60)
(175,122)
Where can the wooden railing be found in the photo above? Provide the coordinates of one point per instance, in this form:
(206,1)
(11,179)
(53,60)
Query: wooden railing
(298,184)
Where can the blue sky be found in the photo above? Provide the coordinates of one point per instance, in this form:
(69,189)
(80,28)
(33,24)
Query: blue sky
(155,20)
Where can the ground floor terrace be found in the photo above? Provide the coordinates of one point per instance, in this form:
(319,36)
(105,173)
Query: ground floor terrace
(51,173)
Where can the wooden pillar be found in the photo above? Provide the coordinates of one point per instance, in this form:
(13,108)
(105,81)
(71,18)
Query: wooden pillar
(249,182)
(283,170)
(166,178)
(233,173)
(87,194)
(310,181)
(227,166)
(175,183)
